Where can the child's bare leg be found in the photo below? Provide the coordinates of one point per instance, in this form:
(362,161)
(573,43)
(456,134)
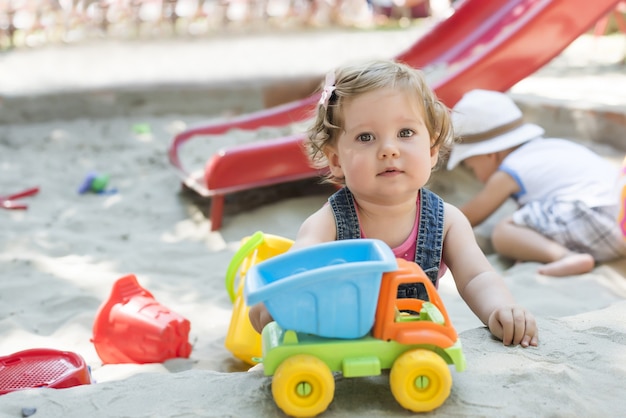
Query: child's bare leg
(520,243)
(574,263)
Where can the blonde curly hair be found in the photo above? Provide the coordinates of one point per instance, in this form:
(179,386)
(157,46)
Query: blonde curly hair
(353,80)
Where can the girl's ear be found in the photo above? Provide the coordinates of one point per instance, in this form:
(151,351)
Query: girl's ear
(434,155)
(334,164)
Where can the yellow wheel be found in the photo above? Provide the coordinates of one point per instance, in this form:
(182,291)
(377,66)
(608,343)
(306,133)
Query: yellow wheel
(420,380)
(303,386)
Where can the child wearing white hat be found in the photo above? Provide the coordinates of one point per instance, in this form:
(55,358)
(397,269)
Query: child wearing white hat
(565,192)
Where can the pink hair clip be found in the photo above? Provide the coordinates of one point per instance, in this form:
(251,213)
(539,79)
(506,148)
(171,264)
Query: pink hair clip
(329,88)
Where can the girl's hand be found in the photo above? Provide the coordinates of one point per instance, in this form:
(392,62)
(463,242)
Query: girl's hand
(514,325)
(259,317)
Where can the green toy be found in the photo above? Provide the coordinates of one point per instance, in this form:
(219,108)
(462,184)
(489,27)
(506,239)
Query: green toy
(95,183)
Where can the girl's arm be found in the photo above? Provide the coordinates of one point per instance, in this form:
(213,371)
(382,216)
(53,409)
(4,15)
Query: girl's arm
(317,228)
(481,287)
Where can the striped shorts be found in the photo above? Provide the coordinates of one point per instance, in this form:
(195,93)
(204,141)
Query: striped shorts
(576,226)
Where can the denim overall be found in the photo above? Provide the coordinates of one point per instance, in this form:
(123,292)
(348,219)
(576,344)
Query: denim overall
(429,234)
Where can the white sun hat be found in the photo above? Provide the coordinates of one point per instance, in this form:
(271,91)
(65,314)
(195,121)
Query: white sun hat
(488,121)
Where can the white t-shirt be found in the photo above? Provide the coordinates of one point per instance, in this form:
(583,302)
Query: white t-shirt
(552,168)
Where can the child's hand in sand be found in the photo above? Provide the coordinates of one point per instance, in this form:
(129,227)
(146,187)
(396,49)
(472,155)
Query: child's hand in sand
(514,325)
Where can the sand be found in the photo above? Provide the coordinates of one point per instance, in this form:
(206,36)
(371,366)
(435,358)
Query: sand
(61,256)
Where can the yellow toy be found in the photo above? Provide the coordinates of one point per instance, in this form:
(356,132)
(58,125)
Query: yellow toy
(242,340)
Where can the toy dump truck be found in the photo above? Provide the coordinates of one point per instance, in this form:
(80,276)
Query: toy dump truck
(335,310)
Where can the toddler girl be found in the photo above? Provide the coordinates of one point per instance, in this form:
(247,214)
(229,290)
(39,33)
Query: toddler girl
(380,130)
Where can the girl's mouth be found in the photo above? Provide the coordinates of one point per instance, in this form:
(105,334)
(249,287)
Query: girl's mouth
(389,171)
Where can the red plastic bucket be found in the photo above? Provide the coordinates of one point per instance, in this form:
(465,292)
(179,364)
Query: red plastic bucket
(132,327)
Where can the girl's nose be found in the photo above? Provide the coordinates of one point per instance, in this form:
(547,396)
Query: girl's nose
(388,149)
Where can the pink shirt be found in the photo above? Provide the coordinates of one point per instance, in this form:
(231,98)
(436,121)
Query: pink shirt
(407,249)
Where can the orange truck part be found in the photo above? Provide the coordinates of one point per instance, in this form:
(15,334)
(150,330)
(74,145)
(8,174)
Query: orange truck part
(388,324)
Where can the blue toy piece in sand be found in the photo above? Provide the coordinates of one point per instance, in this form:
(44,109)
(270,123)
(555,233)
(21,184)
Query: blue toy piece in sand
(96,183)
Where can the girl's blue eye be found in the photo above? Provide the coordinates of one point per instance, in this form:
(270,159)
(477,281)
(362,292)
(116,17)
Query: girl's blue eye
(406,133)
(365,137)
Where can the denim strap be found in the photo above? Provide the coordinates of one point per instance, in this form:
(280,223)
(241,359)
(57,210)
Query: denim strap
(346,219)
(430,229)
(430,234)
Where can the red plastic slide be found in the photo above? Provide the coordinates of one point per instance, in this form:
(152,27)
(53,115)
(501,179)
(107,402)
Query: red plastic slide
(490,44)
